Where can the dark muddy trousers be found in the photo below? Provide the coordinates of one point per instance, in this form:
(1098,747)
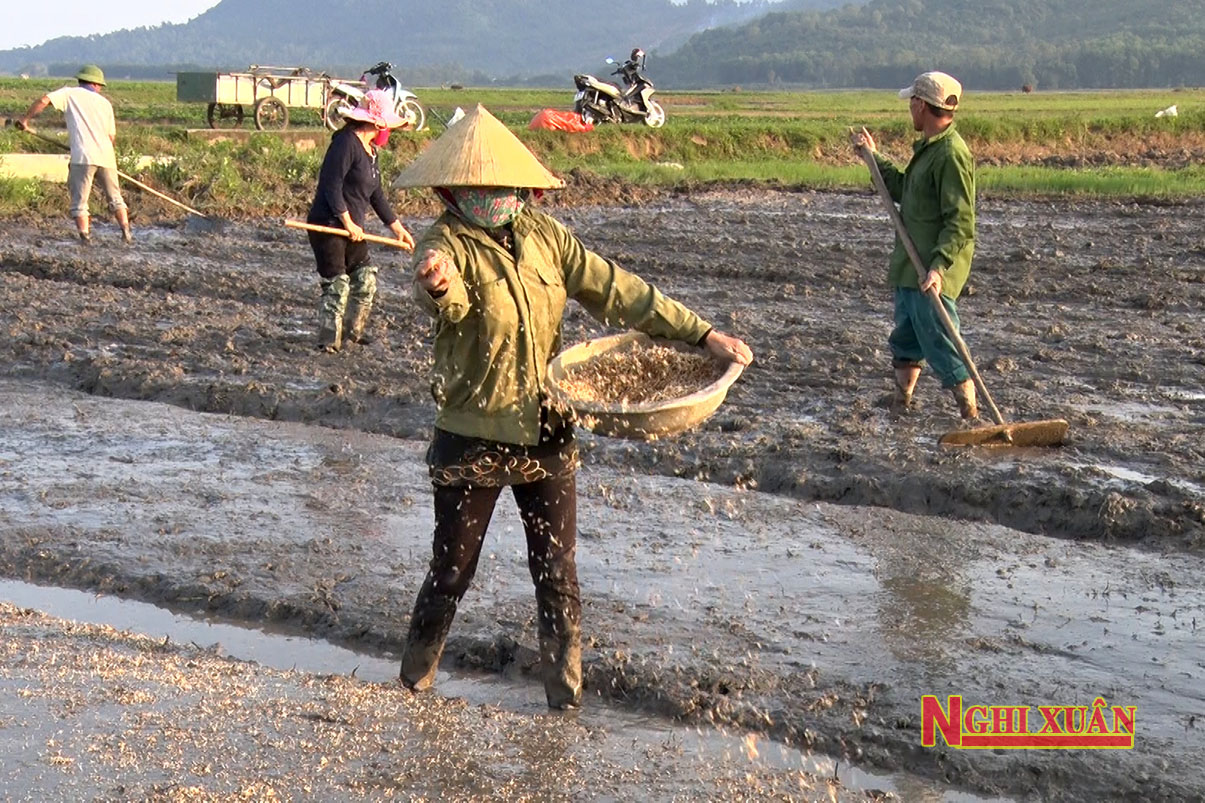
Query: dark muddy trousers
(462,514)
(336,255)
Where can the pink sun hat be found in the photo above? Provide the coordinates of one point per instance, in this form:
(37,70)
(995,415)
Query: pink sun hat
(375,107)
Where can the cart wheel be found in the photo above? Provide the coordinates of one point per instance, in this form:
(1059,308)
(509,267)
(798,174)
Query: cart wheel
(271,112)
(330,114)
(219,112)
(413,114)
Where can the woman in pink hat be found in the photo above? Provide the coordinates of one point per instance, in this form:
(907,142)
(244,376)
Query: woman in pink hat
(348,184)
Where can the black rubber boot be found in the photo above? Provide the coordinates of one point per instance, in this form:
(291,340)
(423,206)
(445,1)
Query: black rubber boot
(429,626)
(560,647)
(561,658)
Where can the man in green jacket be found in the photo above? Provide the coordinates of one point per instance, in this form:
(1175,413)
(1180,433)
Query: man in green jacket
(936,196)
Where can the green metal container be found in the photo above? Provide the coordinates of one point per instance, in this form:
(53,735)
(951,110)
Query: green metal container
(197,87)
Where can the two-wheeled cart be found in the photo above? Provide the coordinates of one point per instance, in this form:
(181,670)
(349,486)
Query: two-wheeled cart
(269,92)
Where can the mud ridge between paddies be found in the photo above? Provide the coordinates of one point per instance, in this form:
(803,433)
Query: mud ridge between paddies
(1087,311)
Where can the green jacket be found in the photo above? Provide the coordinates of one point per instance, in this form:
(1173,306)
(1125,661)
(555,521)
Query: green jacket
(936,194)
(499,323)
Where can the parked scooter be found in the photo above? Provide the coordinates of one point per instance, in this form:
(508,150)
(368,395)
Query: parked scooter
(379,76)
(601,102)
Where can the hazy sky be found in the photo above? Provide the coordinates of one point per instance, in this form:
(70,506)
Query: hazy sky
(32,22)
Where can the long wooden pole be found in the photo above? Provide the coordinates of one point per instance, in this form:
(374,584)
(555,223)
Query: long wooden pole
(130,179)
(158,194)
(372,238)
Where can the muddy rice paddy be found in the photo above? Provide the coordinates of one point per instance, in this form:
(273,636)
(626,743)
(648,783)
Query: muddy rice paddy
(802,568)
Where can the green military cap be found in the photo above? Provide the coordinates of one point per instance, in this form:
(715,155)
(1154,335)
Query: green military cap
(91,74)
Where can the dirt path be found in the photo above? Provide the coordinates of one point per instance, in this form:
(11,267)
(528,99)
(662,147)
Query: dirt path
(1087,311)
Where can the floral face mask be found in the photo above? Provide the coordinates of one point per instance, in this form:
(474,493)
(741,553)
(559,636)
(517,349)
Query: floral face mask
(489,207)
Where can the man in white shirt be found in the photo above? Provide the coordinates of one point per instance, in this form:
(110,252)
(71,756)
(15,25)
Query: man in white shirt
(93,132)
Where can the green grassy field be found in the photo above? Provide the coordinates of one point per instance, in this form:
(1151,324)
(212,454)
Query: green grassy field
(796,139)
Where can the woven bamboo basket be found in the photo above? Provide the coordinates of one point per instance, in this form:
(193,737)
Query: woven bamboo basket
(639,421)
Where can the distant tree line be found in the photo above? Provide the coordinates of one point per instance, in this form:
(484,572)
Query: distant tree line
(992,44)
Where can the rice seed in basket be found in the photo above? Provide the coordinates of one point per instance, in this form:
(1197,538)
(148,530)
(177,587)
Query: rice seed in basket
(641,375)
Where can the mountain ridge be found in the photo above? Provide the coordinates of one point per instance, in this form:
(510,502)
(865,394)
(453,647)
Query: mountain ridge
(990,44)
(495,38)
(993,44)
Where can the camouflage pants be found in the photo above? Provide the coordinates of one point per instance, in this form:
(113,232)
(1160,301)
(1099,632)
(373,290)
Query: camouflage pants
(362,289)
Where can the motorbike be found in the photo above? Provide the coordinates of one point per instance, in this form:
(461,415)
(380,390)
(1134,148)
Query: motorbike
(601,102)
(379,76)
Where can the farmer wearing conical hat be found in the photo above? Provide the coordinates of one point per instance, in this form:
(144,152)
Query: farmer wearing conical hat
(495,274)
(92,132)
(936,197)
(349,183)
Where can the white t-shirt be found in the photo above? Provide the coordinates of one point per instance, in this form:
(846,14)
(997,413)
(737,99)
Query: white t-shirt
(90,125)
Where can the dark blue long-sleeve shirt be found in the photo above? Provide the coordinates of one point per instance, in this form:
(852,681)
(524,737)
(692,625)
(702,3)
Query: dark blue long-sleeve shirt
(349,182)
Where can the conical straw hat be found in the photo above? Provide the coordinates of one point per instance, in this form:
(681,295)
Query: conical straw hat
(477,151)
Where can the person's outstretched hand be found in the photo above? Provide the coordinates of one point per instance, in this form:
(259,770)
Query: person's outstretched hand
(434,273)
(728,348)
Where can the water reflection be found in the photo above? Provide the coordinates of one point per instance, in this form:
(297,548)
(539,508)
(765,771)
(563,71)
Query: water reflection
(925,602)
(636,738)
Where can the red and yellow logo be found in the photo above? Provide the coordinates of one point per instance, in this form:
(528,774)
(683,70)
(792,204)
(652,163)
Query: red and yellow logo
(992,727)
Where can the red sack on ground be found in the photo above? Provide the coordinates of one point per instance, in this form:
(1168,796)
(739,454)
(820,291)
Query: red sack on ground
(557,120)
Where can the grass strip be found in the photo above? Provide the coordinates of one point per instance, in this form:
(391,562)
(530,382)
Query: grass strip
(1106,144)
